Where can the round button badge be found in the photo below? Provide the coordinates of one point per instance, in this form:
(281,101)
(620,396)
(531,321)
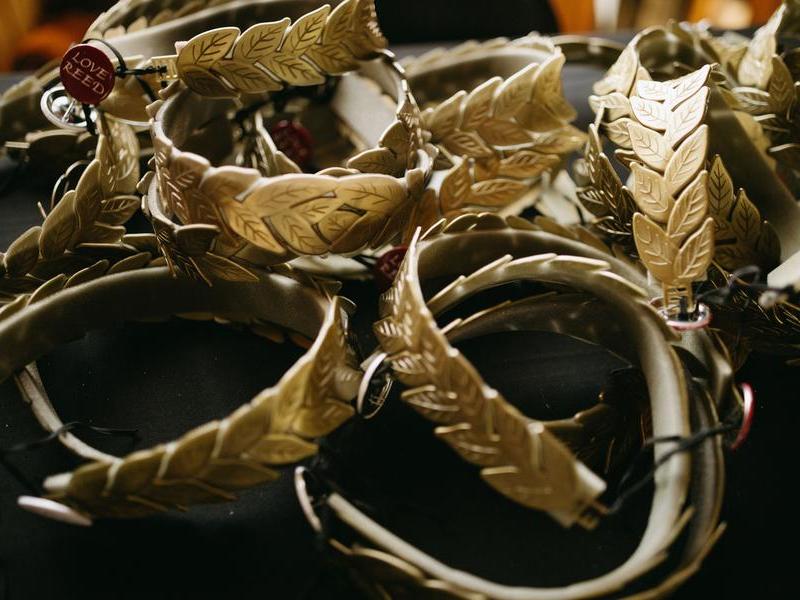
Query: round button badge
(87,74)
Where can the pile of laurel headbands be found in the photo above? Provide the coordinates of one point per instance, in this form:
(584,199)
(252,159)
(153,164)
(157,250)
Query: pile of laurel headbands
(278,148)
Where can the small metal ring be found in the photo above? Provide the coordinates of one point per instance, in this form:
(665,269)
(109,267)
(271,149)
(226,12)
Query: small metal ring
(374,368)
(699,319)
(71,116)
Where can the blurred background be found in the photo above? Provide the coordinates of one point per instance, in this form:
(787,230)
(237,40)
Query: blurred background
(33,32)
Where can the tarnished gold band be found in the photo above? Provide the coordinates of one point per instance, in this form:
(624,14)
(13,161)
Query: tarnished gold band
(497,114)
(446,389)
(211,462)
(251,216)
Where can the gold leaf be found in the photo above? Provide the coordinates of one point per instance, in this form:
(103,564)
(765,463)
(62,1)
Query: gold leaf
(339,23)
(745,221)
(260,40)
(687,160)
(753,101)
(498,132)
(684,87)
(687,117)
(754,68)
(59,228)
(298,234)
(720,190)
(373,193)
(213,266)
(445,117)
(455,187)
(245,77)
(649,146)
(119,209)
(396,138)
(478,104)
(332,59)
(781,87)
(768,246)
(496,192)
(281,449)
(292,69)
(527,163)
(205,49)
(650,113)
(465,143)
(241,219)
(195,239)
(617,132)
(88,197)
(23,253)
(117,151)
(514,92)
(102,233)
(306,31)
(689,211)
(621,75)
(376,160)
(655,248)
(650,193)
(615,104)
(652,90)
(205,83)
(472,446)
(336,224)
(130,263)
(369,36)
(548,94)
(695,255)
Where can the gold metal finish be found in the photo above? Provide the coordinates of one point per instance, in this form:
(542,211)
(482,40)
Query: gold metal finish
(91,217)
(228,209)
(498,138)
(227,62)
(211,462)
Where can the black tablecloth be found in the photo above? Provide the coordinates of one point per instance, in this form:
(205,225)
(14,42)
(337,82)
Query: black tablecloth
(165,378)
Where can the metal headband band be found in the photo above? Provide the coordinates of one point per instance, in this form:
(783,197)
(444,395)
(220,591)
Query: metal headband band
(497,114)
(395,333)
(252,217)
(393,568)
(211,462)
(447,389)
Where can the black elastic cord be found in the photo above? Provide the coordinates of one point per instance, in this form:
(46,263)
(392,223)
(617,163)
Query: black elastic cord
(683,444)
(34,444)
(745,279)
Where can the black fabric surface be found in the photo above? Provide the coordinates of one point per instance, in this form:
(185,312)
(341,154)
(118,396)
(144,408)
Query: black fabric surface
(165,378)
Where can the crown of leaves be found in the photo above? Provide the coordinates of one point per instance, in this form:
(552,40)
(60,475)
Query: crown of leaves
(226,62)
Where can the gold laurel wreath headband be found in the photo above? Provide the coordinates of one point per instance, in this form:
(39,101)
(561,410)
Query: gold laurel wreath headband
(251,217)
(445,388)
(506,126)
(211,462)
(399,566)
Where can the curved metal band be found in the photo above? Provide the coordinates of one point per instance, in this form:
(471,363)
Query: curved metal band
(212,461)
(265,220)
(668,416)
(395,577)
(402,337)
(497,113)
